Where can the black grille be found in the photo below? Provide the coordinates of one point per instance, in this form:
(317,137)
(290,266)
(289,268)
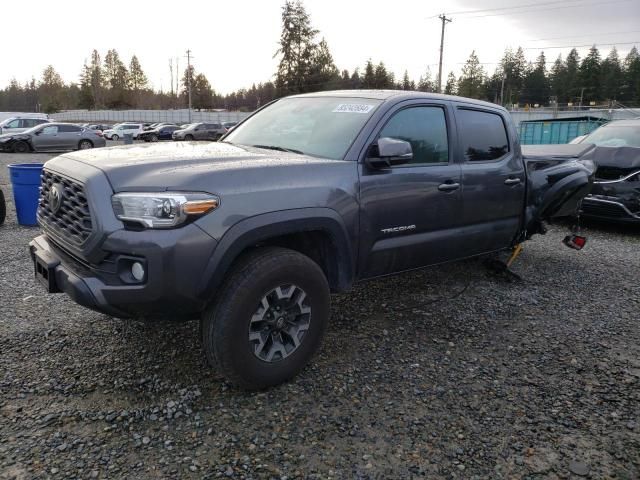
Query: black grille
(612,173)
(72,222)
(603,209)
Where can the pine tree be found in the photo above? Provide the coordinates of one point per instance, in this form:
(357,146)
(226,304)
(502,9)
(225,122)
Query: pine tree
(451,88)
(96,79)
(201,92)
(137,79)
(296,50)
(590,75)
(50,90)
(572,66)
(535,89)
(369,78)
(631,85)
(558,81)
(611,77)
(471,82)
(323,73)
(383,78)
(116,77)
(406,82)
(425,84)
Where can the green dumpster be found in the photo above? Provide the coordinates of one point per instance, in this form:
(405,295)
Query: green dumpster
(558,130)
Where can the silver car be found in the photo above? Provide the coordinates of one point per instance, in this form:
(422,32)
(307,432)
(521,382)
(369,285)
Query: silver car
(50,137)
(200,131)
(20,124)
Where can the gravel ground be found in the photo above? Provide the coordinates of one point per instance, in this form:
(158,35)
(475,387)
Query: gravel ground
(452,372)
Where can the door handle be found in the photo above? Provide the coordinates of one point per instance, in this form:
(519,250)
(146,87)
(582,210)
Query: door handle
(512,181)
(448,187)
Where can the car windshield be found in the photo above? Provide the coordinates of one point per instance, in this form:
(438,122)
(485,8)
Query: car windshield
(319,126)
(613,135)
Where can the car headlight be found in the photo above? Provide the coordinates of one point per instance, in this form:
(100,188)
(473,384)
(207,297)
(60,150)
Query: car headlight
(162,209)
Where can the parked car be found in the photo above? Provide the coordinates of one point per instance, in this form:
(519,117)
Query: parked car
(163,132)
(200,131)
(118,131)
(616,192)
(7,115)
(3,207)
(20,124)
(253,233)
(229,125)
(51,136)
(98,126)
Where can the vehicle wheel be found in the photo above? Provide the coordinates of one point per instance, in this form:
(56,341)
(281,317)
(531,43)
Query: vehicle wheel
(21,147)
(269,318)
(154,138)
(188,138)
(85,144)
(115,138)
(3,208)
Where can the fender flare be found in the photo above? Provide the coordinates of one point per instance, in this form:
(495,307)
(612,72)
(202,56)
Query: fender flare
(262,227)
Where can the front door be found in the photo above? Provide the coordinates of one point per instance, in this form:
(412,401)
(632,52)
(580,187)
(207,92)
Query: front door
(46,138)
(408,212)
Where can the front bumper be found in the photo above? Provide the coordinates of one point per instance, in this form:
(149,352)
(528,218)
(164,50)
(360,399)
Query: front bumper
(174,266)
(608,208)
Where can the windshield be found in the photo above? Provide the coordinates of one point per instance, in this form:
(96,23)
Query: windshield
(319,126)
(613,135)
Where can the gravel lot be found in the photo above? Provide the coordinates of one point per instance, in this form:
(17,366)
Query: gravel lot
(452,372)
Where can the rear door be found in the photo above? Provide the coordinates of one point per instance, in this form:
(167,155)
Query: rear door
(493,178)
(69,137)
(409,212)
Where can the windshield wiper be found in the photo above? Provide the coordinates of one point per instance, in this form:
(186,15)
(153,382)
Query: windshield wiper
(278,148)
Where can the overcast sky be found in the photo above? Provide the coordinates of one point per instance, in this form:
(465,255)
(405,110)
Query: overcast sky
(233,41)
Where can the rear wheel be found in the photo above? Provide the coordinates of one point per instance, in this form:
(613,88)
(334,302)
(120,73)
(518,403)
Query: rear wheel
(115,137)
(21,147)
(269,318)
(85,144)
(3,208)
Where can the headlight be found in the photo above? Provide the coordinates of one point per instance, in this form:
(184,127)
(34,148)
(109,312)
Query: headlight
(162,209)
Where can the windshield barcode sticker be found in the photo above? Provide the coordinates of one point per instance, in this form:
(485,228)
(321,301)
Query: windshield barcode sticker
(353,108)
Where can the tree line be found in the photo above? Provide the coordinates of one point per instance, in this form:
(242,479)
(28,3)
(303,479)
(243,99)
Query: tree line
(305,64)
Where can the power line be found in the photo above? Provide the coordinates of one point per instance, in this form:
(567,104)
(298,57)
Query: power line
(549,47)
(546,9)
(583,35)
(483,10)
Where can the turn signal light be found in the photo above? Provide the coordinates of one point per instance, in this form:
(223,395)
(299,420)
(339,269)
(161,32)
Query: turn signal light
(199,207)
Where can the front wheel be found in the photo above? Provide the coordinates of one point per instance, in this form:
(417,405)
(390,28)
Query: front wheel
(188,138)
(21,147)
(115,138)
(154,138)
(269,319)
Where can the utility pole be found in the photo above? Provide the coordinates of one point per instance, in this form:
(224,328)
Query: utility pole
(171,71)
(189,80)
(504,76)
(445,20)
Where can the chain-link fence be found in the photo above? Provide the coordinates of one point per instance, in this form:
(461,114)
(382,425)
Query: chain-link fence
(151,116)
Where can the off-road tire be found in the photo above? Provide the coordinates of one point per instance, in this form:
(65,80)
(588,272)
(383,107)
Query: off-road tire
(3,208)
(225,325)
(21,147)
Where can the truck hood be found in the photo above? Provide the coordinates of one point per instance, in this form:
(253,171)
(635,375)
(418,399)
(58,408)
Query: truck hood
(186,166)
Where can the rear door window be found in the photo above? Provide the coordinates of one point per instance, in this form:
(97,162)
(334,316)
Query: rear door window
(483,135)
(69,129)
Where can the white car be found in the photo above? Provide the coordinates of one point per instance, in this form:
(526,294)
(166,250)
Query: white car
(118,131)
(20,124)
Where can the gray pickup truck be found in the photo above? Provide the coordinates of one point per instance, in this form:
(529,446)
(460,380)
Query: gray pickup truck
(307,196)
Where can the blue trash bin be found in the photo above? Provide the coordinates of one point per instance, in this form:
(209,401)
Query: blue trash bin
(25,180)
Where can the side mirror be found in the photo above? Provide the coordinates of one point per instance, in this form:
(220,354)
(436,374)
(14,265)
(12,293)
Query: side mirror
(38,132)
(391,151)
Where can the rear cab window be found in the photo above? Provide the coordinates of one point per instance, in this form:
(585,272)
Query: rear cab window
(483,135)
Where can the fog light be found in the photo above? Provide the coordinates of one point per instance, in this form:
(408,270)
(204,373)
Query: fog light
(137,270)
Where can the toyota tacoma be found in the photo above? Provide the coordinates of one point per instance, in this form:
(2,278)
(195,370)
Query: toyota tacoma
(307,196)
